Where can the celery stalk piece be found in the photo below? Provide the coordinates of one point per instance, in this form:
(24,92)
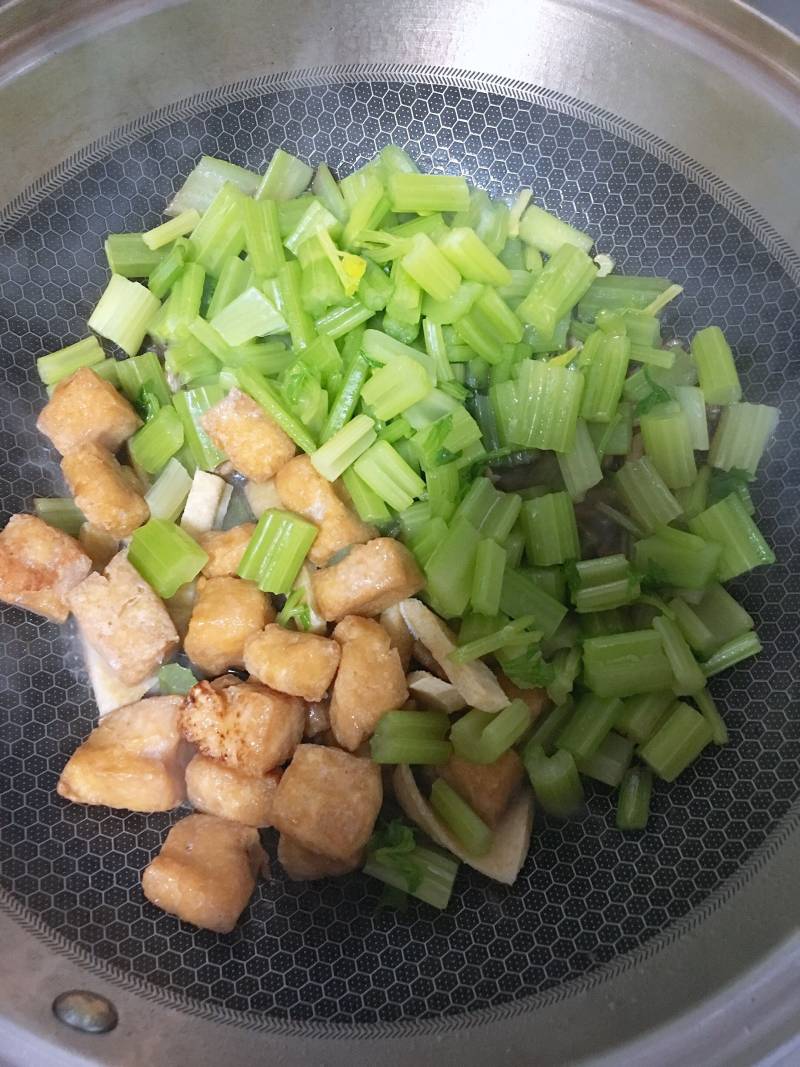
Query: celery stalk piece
(128,255)
(179,226)
(167,495)
(523,593)
(646,495)
(300,324)
(326,189)
(731,653)
(235,277)
(423,872)
(437,350)
(460,819)
(512,637)
(388,475)
(345,400)
(276,551)
(677,743)
(589,725)
(383,349)
(375,287)
(442,485)
(205,334)
(157,441)
(56,366)
(164,275)
(565,278)
(219,235)
(491,512)
(450,566)
(708,709)
(521,201)
(668,443)
(487,578)
(610,761)
(742,435)
(183,305)
(472,259)
(728,525)
(249,316)
(550,528)
(165,556)
(549,399)
(431,270)
(315,218)
(286,177)
(262,237)
(175,680)
(395,387)
(579,467)
(342,449)
(291,211)
(555,780)
(689,678)
(617,292)
(369,506)
(483,738)
(123,313)
(191,405)
(662,358)
(604,363)
(547,233)
(394,159)
(621,665)
(715,367)
(633,803)
(721,615)
(411,737)
(342,320)
(206,180)
(60,512)
(676,558)
(423,193)
(642,715)
(404,307)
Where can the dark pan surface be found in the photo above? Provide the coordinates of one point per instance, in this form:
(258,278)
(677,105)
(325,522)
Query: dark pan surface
(588,896)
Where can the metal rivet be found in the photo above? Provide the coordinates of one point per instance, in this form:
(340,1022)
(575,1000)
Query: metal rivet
(85,1011)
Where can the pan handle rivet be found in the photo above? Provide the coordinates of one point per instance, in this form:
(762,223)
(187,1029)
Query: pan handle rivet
(82,1010)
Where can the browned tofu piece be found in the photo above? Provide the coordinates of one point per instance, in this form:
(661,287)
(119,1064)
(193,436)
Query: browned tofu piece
(370,681)
(216,789)
(303,865)
(370,579)
(103,490)
(487,787)
(536,699)
(87,408)
(134,759)
(303,489)
(98,545)
(328,801)
(39,566)
(226,612)
(123,619)
(292,662)
(244,724)
(205,872)
(256,446)
(225,549)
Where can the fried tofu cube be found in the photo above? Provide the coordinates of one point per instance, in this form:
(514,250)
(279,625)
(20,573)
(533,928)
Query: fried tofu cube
(84,408)
(255,444)
(370,579)
(536,699)
(225,549)
(123,619)
(205,872)
(98,545)
(39,566)
(216,789)
(246,725)
(328,801)
(370,681)
(104,490)
(292,662)
(303,489)
(226,613)
(487,787)
(134,759)
(303,865)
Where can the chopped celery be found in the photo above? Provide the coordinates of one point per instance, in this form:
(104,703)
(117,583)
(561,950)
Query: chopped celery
(342,449)
(522,593)
(588,726)
(579,466)
(56,366)
(622,665)
(411,737)
(742,436)
(487,578)
(60,512)
(286,177)
(552,535)
(604,362)
(480,737)
(677,742)
(423,872)
(157,441)
(234,278)
(549,399)
(565,278)
(555,780)
(731,653)
(124,313)
(450,566)
(427,192)
(175,680)
(168,493)
(491,512)
(460,819)
(384,470)
(646,495)
(167,232)
(191,405)
(640,716)
(473,260)
(689,678)
(431,270)
(128,255)
(544,231)
(728,525)
(369,506)
(610,761)
(248,316)
(668,444)
(715,367)
(673,557)
(395,387)
(219,235)
(206,180)
(264,393)
(276,551)
(165,556)
(633,804)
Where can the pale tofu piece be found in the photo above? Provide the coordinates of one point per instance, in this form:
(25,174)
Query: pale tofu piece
(255,444)
(262,496)
(134,759)
(216,789)
(123,619)
(110,692)
(246,725)
(328,801)
(316,623)
(302,489)
(536,699)
(300,664)
(98,545)
(370,579)
(87,408)
(225,549)
(434,693)
(488,788)
(303,865)
(399,634)
(370,681)
(103,491)
(205,872)
(226,613)
(39,566)
(208,498)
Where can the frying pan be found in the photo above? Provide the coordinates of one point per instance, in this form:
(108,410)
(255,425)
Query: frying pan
(671,130)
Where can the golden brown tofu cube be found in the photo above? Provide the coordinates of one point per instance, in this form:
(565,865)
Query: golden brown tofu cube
(39,566)
(244,724)
(225,549)
(487,787)
(256,446)
(123,619)
(370,579)
(216,789)
(370,681)
(134,759)
(328,801)
(536,699)
(292,662)
(303,489)
(87,408)
(226,612)
(103,490)
(303,865)
(98,545)
(205,872)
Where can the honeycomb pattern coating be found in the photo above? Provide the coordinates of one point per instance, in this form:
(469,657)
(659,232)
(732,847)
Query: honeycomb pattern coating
(587,893)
